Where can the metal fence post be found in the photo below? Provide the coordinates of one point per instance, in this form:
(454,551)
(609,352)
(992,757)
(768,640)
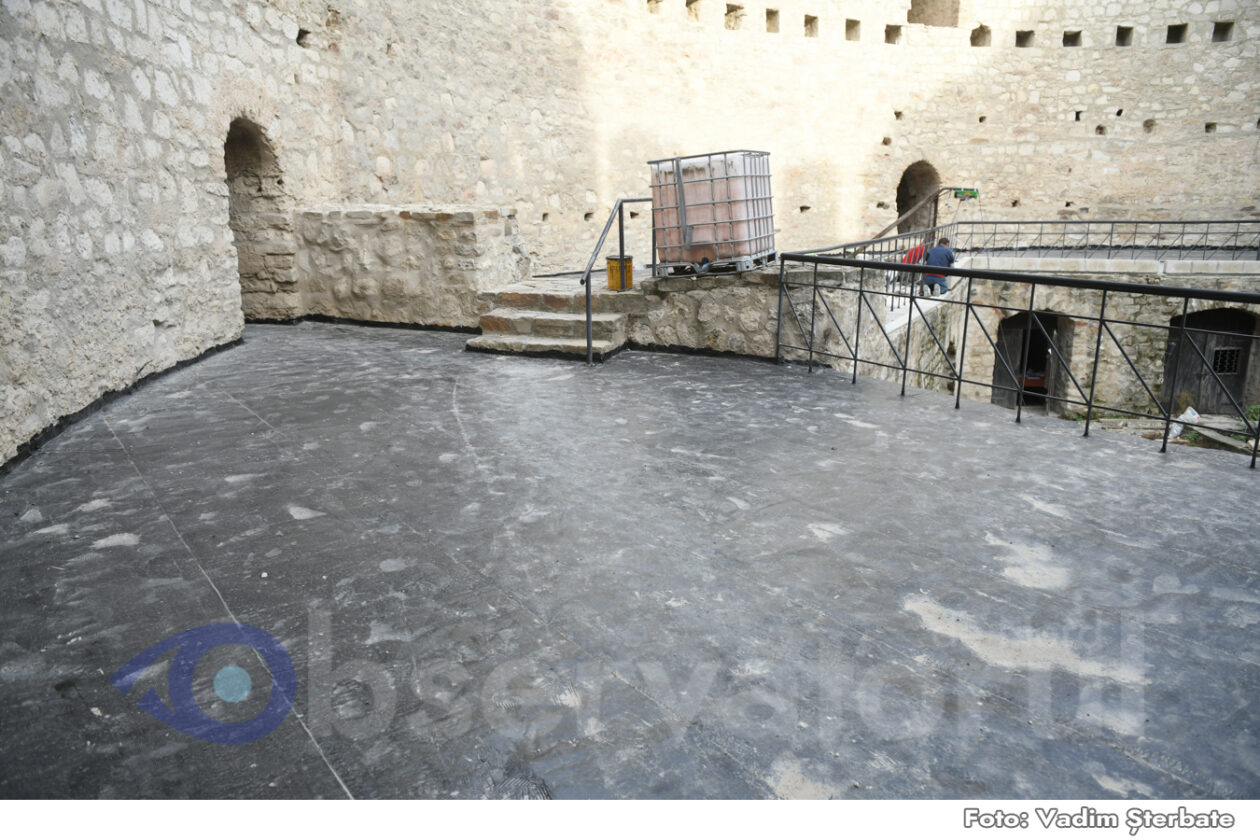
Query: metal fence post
(968,309)
(1172,388)
(1093,379)
(621,232)
(857,335)
(1023,376)
(813,313)
(905,357)
(778,327)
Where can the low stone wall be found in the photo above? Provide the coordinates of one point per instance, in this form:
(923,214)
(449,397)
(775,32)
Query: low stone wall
(406,265)
(726,313)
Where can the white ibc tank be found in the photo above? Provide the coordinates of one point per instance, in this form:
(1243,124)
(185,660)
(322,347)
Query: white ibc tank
(716,207)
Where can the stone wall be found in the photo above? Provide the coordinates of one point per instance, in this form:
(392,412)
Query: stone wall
(726,313)
(409,265)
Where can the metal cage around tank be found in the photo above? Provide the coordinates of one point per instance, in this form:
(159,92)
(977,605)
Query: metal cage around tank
(712,212)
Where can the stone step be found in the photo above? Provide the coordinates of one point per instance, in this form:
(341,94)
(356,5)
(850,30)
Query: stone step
(608,326)
(540,345)
(572,302)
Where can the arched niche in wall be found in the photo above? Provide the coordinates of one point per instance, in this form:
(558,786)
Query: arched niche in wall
(259,214)
(919,181)
(1218,369)
(1037,350)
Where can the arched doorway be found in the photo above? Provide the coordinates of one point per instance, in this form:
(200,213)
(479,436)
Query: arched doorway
(1024,350)
(262,226)
(1221,376)
(919,181)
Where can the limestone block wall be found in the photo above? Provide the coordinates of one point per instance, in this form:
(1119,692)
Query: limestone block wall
(731,313)
(1044,131)
(116,259)
(407,265)
(727,313)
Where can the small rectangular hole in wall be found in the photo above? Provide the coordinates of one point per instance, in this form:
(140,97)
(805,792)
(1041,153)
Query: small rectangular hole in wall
(1209,128)
(693,10)
(1072,38)
(1078,115)
(898,115)
(1024,38)
(1119,112)
(981,36)
(654,6)
(1222,31)
(303,37)
(734,16)
(892,34)
(588,216)
(811,26)
(804,208)
(1124,36)
(1100,130)
(983,118)
(1148,126)
(772,20)
(852,30)
(1177,33)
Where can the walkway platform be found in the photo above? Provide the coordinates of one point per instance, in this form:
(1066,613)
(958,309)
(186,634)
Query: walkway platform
(664,576)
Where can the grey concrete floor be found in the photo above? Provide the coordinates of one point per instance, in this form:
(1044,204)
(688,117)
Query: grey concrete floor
(665,576)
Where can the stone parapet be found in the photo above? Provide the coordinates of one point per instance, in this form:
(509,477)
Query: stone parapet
(406,264)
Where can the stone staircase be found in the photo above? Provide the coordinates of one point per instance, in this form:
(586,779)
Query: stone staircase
(548,317)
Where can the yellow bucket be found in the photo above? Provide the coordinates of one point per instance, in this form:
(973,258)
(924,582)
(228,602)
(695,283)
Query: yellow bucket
(620,273)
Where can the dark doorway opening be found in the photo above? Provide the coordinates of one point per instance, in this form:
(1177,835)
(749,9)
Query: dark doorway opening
(919,181)
(1026,346)
(1218,374)
(262,226)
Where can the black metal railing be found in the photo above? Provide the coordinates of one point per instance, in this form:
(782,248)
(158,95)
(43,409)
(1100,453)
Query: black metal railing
(903,248)
(1119,239)
(1226,240)
(1187,352)
(1207,240)
(618,213)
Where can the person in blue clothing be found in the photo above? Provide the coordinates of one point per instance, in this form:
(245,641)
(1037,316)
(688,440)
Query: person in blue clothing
(942,257)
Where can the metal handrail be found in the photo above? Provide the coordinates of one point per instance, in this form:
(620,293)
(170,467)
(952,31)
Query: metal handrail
(618,214)
(1177,328)
(1118,238)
